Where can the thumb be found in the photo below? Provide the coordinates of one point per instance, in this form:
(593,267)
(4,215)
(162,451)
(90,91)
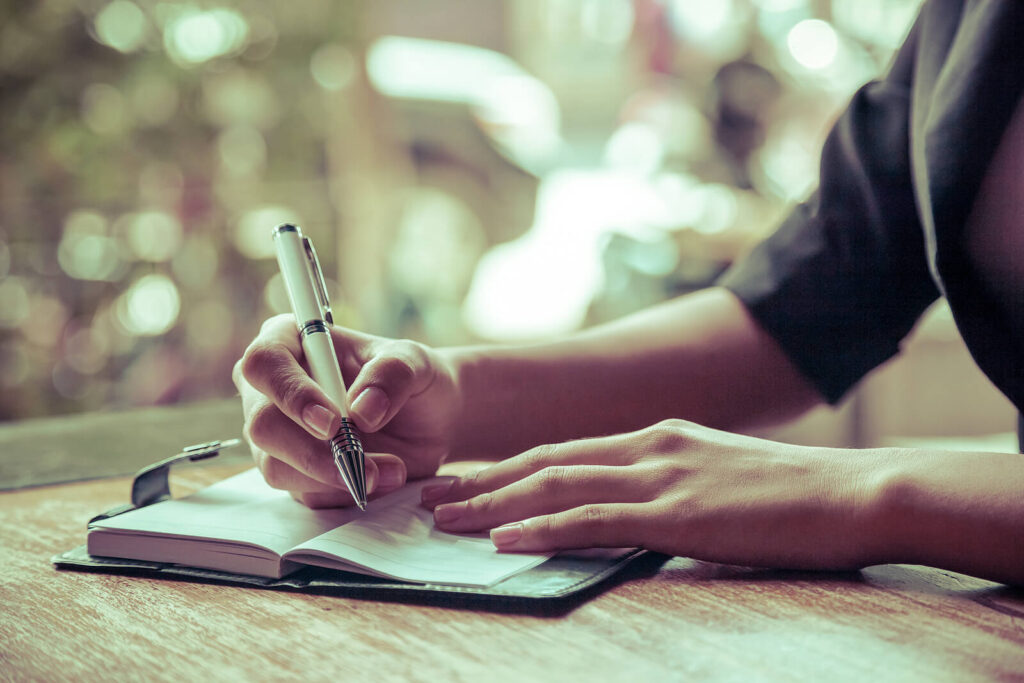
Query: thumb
(397,372)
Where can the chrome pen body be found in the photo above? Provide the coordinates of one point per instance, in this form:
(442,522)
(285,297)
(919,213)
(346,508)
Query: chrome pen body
(307,293)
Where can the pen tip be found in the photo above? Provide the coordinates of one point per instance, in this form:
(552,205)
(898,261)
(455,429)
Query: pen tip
(362,505)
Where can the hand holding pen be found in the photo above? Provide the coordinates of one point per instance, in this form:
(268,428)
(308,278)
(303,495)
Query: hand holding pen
(307,292)
(403,400)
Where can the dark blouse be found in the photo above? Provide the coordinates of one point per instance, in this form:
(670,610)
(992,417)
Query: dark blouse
(847,275)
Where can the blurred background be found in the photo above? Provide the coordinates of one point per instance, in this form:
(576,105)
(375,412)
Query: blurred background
(470,170)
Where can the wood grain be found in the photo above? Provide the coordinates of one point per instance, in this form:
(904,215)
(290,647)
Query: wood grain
(688,621)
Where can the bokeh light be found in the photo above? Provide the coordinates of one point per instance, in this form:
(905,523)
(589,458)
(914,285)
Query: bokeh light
(86,251)
(121,25)
(254,234)
(333,67)
(153,236)
(195,36)
(150,306)
(608,21)
(635,146)
(813,43)
(717,28)
(104,110)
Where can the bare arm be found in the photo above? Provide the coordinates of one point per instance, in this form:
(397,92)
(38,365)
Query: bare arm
(959,511)
(700,357)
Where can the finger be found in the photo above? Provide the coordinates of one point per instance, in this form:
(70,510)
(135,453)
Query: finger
(397,371)
(392,476)
(271,366)
(384,473)
(587,526)
(281,474)
(295,461)
(552,490)
(274,433)
(605,451)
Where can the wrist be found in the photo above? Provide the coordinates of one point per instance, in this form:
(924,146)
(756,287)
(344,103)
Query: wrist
(464,366)
(885,506)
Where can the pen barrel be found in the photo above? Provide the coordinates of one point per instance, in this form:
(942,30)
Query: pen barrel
(298,278)
(323,365)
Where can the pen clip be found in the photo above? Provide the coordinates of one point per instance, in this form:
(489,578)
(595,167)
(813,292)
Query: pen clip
(319,285)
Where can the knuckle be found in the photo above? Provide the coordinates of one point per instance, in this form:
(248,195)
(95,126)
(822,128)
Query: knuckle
(397,369)
(668,436)
(541,528)
(400,361)
(593,517)
(296,392)
(468,483)
(414,352)
(538,457)
(551,481)
(261,357)
(481,504)
(260,427)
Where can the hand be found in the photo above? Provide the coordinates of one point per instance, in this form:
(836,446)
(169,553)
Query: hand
(680,489)
(404,402)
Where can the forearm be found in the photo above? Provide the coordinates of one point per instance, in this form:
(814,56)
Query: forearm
(957,511)
(699,357)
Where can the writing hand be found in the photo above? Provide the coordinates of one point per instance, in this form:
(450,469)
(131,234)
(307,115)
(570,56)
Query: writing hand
(403,397)
(677,488)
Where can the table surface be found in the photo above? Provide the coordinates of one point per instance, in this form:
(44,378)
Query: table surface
(684,620)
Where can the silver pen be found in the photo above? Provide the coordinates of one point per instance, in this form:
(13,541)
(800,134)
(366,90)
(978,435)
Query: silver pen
(307,292)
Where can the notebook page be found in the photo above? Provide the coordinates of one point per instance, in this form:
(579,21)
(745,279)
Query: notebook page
(240,509)
(396,538)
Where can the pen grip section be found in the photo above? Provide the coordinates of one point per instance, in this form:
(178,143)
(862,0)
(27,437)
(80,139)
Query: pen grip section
(323,365)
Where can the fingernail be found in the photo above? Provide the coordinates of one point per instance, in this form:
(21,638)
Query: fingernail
(318,419)
(443,514)
(371,405)
(435,491)
(505,536)
(391,475)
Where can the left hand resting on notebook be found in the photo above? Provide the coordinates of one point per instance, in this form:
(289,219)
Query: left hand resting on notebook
(681,489)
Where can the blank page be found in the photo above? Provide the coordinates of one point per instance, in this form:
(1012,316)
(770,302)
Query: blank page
(240,509)
(396,538)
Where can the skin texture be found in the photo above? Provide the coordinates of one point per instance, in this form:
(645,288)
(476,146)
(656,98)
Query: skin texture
(592,452)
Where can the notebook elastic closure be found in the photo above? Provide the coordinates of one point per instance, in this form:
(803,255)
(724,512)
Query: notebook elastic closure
(151,485)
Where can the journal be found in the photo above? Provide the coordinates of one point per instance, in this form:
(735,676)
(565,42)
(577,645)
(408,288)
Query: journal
(241,525)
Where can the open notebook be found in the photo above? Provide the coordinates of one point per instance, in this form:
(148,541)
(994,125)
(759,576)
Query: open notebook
(243,526)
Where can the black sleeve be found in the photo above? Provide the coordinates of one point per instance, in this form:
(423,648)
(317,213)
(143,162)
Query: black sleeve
(846,276)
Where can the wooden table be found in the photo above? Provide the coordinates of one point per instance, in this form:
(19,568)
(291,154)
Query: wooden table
(683,620)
